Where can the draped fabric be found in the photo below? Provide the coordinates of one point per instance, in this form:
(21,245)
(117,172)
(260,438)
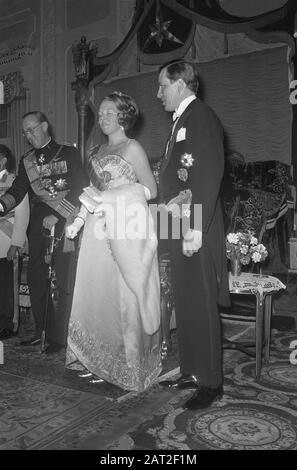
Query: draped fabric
(15,96)
(16,111)
(242,8)
(249,93)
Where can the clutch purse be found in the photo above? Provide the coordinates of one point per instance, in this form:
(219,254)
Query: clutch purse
(179,206)
(91,198)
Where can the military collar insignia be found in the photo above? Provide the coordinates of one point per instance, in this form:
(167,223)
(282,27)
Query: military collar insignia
(41,159)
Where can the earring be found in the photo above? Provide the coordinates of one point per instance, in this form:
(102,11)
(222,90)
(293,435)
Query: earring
(122,128)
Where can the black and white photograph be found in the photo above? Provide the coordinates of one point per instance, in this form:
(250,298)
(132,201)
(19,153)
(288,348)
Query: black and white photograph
(148,229)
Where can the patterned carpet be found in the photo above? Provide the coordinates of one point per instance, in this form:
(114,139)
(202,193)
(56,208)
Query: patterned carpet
(42,407)
(251,416)
(28,362)
(32,412)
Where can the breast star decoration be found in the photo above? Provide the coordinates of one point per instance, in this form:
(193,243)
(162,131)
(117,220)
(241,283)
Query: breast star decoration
(61,184)
(187,160)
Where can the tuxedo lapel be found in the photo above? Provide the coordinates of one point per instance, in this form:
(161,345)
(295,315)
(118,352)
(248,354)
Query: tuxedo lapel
(172,139)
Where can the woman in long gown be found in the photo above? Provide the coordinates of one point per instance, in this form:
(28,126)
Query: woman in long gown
(114,327)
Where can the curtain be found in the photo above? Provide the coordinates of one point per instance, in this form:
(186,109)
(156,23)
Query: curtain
(15,97)
(249,93)
(18,142)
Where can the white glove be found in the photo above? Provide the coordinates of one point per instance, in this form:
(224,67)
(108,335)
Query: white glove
(73,229)
(147,193)
(1,208)
(192,242)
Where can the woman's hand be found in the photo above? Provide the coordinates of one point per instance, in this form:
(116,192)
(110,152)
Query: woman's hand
(72,230)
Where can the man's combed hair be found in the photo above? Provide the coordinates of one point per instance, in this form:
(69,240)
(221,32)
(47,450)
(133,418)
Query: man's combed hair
(184,70)
(128,110)
(38,114)
(40,118)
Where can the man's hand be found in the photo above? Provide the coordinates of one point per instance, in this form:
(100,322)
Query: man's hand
(12,253)
(1,209)
(71,231)
(49,221)
(192,242)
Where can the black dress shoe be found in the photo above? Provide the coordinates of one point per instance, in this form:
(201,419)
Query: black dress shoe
(204,397)
(6,333)
(53,348)
(184,381)
(31,342)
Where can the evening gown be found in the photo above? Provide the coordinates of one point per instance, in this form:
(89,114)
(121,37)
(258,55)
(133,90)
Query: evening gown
(114,327)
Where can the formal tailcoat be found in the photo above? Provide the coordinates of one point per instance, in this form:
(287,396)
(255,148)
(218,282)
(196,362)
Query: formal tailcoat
(195,161)
(53,177)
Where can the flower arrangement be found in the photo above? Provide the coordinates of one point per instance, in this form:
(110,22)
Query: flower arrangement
(245,248)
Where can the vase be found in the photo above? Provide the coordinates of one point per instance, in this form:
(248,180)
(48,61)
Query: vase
(235,267)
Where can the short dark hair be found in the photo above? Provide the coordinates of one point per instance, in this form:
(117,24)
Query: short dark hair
(128,109)
(185,70)
(7,153)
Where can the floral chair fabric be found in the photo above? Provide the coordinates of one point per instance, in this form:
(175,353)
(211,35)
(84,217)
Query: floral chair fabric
(254,194)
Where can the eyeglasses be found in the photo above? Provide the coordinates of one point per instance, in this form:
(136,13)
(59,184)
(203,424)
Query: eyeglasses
(31,131)
(108,115)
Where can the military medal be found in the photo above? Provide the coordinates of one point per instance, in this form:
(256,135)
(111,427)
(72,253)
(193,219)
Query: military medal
(51,168)
(52,192)
(182,173)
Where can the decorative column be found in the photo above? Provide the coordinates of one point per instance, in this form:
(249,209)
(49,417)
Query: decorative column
(82,54)
(48,58)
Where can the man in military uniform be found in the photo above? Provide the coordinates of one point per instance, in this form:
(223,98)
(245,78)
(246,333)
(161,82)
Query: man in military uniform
(52,174)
